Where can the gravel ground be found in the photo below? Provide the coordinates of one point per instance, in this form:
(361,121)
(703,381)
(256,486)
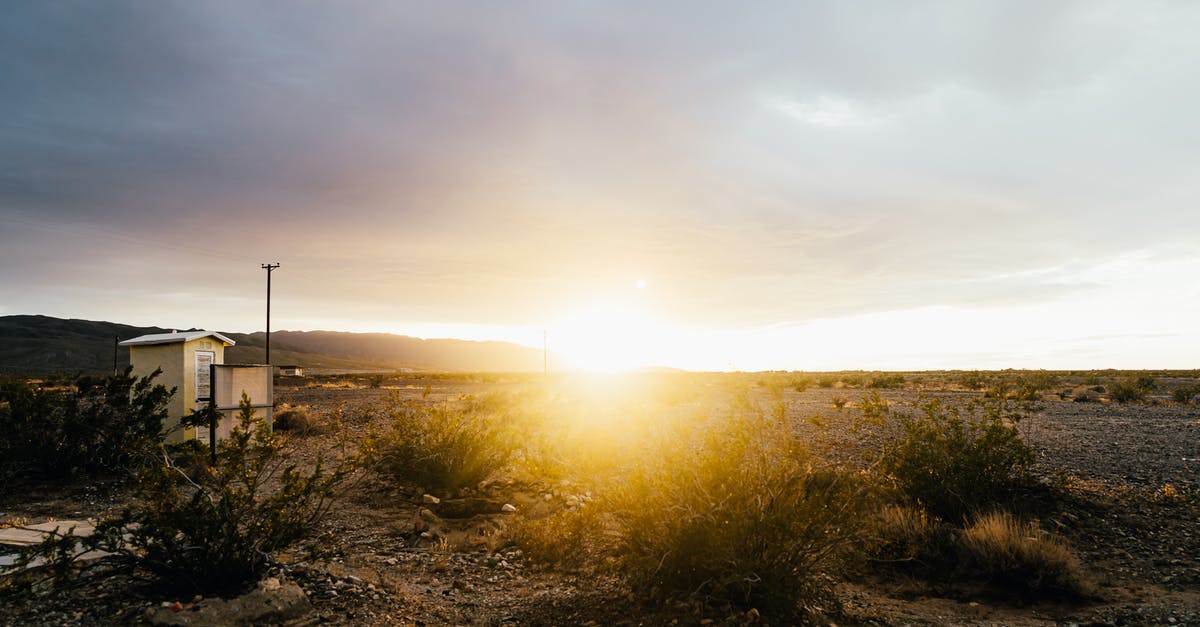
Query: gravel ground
(1133,519)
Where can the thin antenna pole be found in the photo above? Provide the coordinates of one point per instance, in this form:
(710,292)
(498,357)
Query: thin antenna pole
(269,267)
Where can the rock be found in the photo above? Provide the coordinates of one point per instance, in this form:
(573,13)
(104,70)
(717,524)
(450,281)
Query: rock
(430,499)
(508,508)
(469,507)
(283,602)
(427,515)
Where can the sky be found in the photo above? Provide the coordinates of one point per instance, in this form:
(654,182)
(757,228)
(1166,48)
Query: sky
(703,185)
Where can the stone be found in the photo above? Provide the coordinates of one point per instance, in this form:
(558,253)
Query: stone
(281,603)
(508,508)
(430,499)
(469,507)
(427,515)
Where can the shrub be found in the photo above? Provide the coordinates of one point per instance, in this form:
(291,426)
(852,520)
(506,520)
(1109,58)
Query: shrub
(212,532)
(886,381)
(733,511)
(801,382)
(839,402)
(973,380)
(297,420)
(1084,395)
(994,550)
(444,446)
(1018,557)
(907,539)
(1126,391)
(96,425)
(1185,395)
(955,460)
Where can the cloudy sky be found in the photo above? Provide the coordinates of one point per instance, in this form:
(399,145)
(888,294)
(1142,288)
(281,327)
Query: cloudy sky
(801,185)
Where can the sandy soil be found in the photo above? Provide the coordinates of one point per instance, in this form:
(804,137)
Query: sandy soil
(1132,470)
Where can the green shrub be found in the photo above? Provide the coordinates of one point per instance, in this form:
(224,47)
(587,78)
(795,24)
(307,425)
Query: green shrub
(1126,391)
(956,460)
(445,446)
(213,531)
(94,425)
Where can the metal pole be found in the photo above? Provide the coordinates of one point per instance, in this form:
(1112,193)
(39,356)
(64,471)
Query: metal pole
(214,418)
(269,267)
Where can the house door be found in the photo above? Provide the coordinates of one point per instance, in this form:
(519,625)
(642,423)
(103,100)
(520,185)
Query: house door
(204,362)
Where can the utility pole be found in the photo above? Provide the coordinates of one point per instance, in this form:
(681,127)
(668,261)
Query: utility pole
(269,267)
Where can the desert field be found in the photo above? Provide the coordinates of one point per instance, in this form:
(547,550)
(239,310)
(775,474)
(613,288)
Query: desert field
(1117,483)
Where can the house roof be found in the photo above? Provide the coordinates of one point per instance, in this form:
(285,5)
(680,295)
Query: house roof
(171,338)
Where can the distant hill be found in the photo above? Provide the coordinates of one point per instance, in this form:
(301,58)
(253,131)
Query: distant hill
(38,344)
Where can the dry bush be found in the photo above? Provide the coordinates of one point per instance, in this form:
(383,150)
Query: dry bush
(447,446)
(298,420)
(995,551)
(735,512)
(906,539)
(1019,557)
(571,539)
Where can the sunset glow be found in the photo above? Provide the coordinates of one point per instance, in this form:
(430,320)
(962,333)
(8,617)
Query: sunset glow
(817,185)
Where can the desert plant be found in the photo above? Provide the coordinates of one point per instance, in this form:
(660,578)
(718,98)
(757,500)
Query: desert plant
(214,531)
(886,381)
(1019,557)
(801,382)
(1185,395)
(735,512)
(955,460)
(1126,391)
(447,446)
(297,420)
(94,425)
(906,539)
(839,402)
(973,380)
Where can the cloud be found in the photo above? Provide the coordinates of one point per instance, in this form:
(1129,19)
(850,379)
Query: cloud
(780,162)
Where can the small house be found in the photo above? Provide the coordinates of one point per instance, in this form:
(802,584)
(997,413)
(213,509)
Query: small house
(185,358)
(291,371)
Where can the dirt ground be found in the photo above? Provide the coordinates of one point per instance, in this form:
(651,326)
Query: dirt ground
(1133,472)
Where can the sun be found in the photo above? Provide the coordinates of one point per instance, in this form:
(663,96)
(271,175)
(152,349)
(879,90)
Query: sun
(605,337)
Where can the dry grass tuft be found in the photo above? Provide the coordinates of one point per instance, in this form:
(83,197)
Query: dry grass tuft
(1020,557)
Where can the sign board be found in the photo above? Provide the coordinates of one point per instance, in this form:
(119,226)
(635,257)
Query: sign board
(228,384)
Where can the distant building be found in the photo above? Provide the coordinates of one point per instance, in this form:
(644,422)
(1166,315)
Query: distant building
(291,371)
(184,358)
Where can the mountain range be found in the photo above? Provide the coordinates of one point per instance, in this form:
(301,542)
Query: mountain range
(42,344)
